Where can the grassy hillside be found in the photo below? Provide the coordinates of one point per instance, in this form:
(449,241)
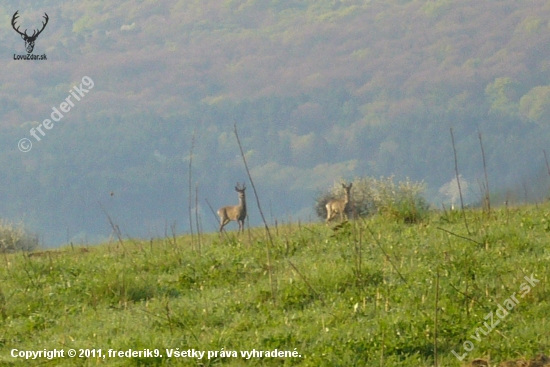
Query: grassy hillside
(363,293)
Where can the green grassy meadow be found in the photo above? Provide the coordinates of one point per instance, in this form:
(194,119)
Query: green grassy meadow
(361,294)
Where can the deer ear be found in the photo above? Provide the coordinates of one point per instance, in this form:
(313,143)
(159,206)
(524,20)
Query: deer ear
(350,184)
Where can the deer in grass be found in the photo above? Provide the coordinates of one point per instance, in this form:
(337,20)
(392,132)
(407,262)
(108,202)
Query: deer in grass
(237,212)
(341,206)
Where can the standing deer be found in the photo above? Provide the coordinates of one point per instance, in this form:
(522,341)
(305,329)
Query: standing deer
(339,206)
(237,212)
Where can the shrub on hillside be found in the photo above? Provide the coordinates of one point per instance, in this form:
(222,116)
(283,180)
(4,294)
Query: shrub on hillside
(402,201)
(16,238)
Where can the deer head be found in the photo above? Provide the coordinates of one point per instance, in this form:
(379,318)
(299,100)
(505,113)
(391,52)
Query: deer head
(240,189)
(29,40)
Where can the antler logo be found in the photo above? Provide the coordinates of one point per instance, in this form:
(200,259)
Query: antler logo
(29,40)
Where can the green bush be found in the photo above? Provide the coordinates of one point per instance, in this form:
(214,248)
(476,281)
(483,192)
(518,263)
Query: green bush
(402,201)
(16,238)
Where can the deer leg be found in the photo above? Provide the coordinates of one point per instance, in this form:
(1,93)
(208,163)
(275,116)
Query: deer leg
(223,223)
(329,214)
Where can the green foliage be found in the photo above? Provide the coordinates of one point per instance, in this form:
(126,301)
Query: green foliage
(85,24)
(436,8)
(535,105)
(14,237)
(402,202)
(501,97)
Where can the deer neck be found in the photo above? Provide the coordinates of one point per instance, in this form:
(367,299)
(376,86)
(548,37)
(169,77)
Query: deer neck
(346,199)
(242,202)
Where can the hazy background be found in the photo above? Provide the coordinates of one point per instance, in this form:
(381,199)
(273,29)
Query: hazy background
(320,90)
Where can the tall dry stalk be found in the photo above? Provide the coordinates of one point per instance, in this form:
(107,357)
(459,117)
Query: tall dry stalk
(269,243)
(116,229)
(319,296)
(435,316)
(546,160)
(487,198)
(458,182)
(386,255)
(190,198)
(215,215)
(197,218)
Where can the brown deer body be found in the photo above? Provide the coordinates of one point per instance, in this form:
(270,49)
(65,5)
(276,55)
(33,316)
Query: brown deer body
(237,212)
(339,206)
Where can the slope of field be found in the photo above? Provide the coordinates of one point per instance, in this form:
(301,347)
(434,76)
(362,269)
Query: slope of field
(362,293)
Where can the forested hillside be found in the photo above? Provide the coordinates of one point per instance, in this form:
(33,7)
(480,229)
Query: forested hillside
(319,90)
